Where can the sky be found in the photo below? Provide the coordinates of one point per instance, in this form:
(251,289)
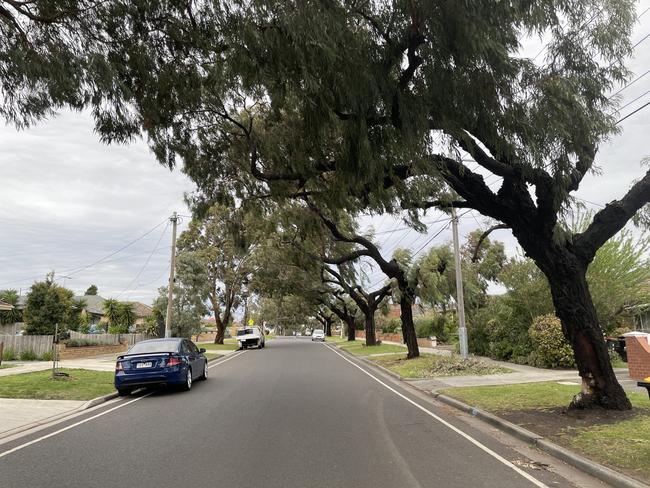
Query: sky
(69,202)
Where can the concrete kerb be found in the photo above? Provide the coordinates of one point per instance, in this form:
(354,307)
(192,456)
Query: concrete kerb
(603,473)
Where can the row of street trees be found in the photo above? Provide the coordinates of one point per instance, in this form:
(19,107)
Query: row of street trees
(357,107)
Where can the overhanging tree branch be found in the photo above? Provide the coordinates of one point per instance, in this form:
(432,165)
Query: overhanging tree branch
(611,219)
(483,237)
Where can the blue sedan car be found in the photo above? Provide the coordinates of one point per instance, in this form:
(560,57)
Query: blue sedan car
(173,361)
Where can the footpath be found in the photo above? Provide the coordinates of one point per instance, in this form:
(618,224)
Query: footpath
(521,374)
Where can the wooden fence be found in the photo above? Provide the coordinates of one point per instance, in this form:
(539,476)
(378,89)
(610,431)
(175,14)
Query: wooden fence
(38,344)
(10,329)
(111,339)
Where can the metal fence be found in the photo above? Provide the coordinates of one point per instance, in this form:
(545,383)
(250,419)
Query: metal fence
(38,344)
(111,339)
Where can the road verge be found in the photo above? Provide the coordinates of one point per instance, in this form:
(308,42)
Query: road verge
(603,473)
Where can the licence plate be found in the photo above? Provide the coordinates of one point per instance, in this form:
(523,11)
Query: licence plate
(148,364)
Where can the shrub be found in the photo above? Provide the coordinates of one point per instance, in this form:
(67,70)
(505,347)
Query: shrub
(28,355)
(441,326)
(46,356)
(8,355)
(82,343)
(550,348)
(391,326)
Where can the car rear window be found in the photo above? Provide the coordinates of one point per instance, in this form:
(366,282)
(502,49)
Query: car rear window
(158,346)
(318,331)
(244,332)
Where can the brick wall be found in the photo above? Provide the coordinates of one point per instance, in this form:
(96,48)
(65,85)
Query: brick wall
(90,351)
(638,356)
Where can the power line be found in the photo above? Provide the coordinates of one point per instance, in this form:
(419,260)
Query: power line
(146,263)
(632,113)
(629,84)
(630,103)
(82,268)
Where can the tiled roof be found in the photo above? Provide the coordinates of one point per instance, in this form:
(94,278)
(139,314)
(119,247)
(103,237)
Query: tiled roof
(6,306)
(141,310)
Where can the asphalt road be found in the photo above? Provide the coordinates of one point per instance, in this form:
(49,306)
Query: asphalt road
(296,414)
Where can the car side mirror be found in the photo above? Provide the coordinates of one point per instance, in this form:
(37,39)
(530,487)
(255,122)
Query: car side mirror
(202,350)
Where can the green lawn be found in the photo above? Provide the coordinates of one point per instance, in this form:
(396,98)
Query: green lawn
(81,385)
(624,444)
(4,366)
(359,348)
(432,366)
(212,355)
(228,345)
(618,439)
(526,396)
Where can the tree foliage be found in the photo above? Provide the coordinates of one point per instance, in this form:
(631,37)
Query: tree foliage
(47,306)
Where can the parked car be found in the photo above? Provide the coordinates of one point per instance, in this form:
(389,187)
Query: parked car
(318,335)
(250,337)
(155,362)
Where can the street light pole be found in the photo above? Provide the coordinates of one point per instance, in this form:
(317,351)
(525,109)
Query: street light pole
(460,302)
(170,289)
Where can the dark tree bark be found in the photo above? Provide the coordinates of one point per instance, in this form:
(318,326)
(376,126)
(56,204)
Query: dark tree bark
(390,268)
(562,258)
(367,303)
(574,307)
(408,333)
(346,316)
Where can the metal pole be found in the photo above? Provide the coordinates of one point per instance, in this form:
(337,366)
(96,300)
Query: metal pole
(170,289)
(460,303)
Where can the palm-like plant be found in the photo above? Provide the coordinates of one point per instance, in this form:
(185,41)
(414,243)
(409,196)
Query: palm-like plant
(112,311)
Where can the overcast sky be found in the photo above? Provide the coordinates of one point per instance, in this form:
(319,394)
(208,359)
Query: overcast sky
(68,201)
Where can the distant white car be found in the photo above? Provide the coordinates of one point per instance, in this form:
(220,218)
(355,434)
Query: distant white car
(318,335)
(250,337)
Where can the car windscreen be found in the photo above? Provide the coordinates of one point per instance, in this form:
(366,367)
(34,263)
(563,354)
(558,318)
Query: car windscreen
(244,332)
(318,331)
(153,347)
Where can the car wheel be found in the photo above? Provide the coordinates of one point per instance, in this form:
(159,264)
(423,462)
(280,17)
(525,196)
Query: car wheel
(188,380)
(204,376)
(123,391)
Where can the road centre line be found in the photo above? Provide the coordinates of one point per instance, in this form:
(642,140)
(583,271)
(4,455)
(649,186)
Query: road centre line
(478,444)
(101,414)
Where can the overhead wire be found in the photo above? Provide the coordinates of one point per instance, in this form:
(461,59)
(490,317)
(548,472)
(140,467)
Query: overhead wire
(146,263)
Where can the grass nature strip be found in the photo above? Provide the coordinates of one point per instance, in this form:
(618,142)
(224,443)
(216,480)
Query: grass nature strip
(80,385)
(432,366)
(620,440)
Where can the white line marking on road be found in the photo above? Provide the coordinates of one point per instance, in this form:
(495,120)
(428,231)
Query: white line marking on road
(76,424)
(228,358)
(478,444)
(52,434)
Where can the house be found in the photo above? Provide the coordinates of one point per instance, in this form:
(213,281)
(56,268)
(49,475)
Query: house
(141,312)
(94,308)
(5,307)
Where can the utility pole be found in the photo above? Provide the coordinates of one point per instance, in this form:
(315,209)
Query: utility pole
(170,290)
(460,302)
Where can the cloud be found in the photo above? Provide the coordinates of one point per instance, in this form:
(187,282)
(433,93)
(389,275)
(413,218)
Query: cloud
(67,200)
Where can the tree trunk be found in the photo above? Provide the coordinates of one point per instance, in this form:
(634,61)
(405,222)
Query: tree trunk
(328,328)
(575,309)
(218,338)
(352,329)
(371,337)
(408,329)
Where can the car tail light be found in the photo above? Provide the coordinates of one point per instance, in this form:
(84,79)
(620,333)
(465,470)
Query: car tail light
(173,362)
(118,366)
